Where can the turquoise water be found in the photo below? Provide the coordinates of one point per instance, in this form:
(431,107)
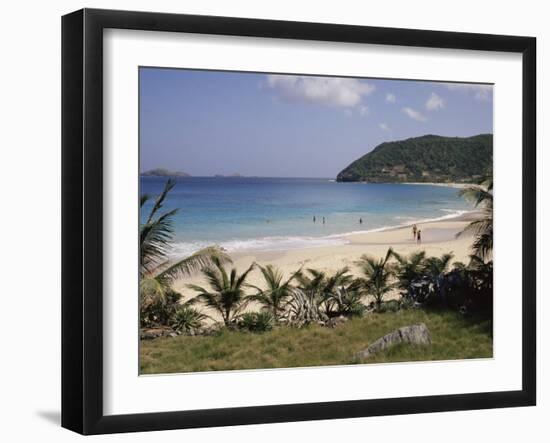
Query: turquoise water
(277,213)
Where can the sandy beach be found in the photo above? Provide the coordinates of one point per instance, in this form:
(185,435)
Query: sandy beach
(438,237)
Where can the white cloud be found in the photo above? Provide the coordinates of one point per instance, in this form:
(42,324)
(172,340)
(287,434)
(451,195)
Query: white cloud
(364,110)
(330,91)
(481,92)
(415,115)
(383,126)
(435,102)
(390,98)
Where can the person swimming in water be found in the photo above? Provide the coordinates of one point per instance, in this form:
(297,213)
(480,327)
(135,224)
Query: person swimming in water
(360,221)
(314,219)
(323,220)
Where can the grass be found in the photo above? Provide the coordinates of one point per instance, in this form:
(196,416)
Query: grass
(453,337)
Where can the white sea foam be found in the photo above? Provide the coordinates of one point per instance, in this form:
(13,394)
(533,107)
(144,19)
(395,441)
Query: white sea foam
(410,221)
(299,242)
(261,244)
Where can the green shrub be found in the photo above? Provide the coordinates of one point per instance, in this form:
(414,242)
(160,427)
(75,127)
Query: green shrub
(161,312)
(389,306)
(257,321)
(186,318)
(304,308)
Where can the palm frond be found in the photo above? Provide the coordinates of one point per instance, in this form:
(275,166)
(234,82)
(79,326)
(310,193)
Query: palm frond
(144,199)
(151,291)
(242,278)
(227,295)
(482,228)
(168,186)
(155,237)
(201,259)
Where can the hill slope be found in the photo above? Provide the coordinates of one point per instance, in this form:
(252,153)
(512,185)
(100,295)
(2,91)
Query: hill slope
(430,158)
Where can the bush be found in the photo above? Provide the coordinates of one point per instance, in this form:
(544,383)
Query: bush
(389,306)
(256,321)
(406,303)
(465,289)
(186,319)
(160,313)
(346,301)
(304,308)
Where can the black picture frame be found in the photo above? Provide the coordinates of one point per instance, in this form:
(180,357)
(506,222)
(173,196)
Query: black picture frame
(82,218)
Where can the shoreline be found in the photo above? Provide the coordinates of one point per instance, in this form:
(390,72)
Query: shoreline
(438,237)
(333,239)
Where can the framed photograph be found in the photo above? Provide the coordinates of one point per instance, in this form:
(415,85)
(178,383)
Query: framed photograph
(268,221)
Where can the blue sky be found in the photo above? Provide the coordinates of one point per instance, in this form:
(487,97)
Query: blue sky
(212,122)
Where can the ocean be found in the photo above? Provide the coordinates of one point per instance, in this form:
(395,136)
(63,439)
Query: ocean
(242,214)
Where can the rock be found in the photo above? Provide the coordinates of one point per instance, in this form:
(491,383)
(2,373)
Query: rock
(414,335)
(151,333)
(172,334)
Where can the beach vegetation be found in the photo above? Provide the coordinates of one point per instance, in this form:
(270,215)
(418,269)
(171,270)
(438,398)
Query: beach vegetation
(346,301)
(187,318)
(160,311)
(277,291)
(156,272)
(482,228)
(304,307)
(408,268)
(226,294)
(257,321)
(434,267)
(454,336)
(378,275)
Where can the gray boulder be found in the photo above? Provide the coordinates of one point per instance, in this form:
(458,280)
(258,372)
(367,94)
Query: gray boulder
(414,335)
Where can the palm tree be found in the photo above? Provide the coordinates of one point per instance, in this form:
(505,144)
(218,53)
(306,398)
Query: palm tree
(324,286)
(482,228)
(409,268)
(322,282)
(482,272)
(435,266)
(227,294)
(277,292)
(348,300)
(155,271)
(378,274)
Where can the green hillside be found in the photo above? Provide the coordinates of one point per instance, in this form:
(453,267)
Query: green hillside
(430,158)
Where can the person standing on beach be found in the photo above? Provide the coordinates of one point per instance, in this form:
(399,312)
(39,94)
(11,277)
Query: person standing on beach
(419,237)
(414,232)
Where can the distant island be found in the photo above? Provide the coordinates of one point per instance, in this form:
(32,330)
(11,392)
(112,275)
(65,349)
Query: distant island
(234,175)
(430,158)
(161,172)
